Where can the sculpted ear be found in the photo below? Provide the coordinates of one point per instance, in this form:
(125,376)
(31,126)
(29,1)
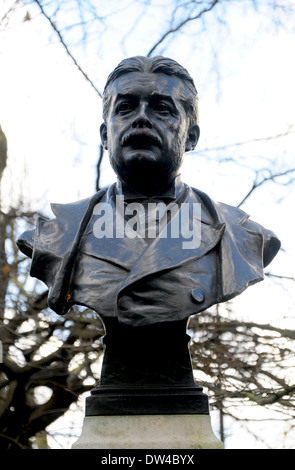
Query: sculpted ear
(193,135)
(104,135)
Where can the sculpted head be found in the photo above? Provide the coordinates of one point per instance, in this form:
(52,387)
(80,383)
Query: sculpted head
(150,111)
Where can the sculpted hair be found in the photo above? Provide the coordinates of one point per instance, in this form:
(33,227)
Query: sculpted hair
(156,64)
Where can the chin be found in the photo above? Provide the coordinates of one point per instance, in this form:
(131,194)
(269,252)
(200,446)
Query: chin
(143,166)
(139,171)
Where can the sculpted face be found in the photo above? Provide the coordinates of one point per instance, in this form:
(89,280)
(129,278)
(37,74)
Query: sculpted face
(147,129)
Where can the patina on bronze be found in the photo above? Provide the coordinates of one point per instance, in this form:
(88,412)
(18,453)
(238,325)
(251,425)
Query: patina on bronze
(146,288)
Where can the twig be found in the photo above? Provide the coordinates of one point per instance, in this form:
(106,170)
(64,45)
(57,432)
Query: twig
(256,184)
(14,441)
(5,16)
(289,278)
(250,141)
(180,25)
(66,47)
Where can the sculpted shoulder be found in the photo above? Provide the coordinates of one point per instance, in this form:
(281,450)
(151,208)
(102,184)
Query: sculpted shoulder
(67,220)
(239,227)
(236,216)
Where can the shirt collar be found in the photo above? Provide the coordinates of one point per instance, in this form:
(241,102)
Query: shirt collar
(169,193)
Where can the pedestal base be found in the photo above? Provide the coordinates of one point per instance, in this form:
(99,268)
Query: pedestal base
(108,401)
(148,432)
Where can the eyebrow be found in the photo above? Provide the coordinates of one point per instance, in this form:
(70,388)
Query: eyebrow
(121,96)
(154,97)
(164,97)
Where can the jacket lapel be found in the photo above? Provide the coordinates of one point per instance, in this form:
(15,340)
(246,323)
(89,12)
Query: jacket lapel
(239,253)
(241,249)
(169,252)
(73,220)
(118,250)
(113,245)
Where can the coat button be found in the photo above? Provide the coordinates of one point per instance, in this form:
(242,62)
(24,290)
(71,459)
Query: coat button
(198,295)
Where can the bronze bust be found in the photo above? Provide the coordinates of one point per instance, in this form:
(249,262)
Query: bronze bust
(142,283)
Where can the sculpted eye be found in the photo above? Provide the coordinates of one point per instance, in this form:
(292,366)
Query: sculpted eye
(162,108)
(124,108)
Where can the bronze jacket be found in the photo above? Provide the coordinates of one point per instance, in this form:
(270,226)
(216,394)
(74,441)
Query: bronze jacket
(142,283)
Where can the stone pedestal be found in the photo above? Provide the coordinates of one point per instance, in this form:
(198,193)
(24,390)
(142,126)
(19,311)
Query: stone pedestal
(148,432)
(147,397)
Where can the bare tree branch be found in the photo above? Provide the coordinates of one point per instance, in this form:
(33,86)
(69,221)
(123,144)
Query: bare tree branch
(277,276)
(9,11)
(271,177)
(220,148)
(271,398)
(53,25)
(180,25)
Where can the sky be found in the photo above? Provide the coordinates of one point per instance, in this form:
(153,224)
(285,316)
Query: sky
(51,117)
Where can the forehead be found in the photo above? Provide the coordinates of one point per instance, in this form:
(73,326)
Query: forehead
(147,84)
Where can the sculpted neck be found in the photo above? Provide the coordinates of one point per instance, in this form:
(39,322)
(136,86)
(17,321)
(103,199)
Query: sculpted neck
(166,188)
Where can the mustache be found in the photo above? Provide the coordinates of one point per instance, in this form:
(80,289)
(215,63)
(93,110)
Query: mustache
(142,136)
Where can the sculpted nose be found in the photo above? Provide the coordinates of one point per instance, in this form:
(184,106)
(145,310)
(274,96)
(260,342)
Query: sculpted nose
(141,119)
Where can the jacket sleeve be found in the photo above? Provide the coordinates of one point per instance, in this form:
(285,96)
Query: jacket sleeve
(26,242)
(45,246)
(271,243)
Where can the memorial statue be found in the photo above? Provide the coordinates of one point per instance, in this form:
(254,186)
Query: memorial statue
(149,251)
